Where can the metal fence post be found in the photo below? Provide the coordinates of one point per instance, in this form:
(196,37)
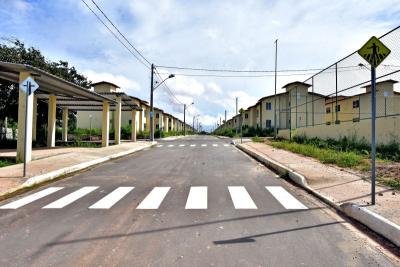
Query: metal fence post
(336,87)
(312,99)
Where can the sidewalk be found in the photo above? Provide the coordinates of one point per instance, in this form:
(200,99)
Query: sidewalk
(48,164)
(339,185)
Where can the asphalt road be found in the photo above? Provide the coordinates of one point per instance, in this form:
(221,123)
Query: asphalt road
(229,218)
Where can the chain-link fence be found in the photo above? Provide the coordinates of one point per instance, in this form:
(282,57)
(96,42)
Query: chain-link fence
(338,100)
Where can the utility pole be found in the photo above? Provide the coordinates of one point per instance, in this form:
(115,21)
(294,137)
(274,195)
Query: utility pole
(276,64)
(151,105)
(225,115)
(236,113)
(184,119)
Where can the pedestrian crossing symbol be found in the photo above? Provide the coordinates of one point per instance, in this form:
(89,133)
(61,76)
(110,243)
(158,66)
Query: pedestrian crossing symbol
(374,51)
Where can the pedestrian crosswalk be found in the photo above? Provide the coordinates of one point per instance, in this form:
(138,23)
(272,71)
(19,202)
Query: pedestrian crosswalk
(192,145)
(197,198)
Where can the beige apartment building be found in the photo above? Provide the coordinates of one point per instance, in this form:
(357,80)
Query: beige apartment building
(93,119)
(295,108)
(358,107)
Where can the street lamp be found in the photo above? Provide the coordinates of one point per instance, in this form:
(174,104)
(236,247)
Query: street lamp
(184,116)
(152,88)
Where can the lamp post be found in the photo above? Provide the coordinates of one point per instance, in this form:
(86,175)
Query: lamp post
(194,117)
(184,116)
(152,88)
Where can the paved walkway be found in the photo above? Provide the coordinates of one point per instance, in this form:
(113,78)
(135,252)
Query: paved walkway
(340,185)
(47,160)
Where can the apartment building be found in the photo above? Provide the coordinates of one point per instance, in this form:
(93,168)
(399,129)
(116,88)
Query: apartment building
(358,107)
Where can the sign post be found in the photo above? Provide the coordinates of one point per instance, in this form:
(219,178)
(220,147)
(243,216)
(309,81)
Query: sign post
(28,86)
(373,51)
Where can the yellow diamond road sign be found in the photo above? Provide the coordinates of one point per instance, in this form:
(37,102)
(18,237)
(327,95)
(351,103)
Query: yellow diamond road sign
(374,51)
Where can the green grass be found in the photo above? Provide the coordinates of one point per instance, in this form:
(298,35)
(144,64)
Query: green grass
(80,144)
(325,155)
(257,139)
(393,183)
(6,162)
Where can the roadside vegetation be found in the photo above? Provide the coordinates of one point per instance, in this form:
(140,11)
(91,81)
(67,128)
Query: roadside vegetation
(6,162)
(246,131)
(349,152)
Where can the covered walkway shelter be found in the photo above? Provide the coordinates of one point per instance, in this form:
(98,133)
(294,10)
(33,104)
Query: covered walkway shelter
(121,102)
(52,89)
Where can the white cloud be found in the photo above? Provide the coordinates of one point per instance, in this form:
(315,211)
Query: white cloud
(126,85)
(212,34)
(214,88)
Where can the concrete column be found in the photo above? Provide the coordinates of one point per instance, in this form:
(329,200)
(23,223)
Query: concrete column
(34,118)
(21,122)
(172,124)
(133,125)
(166,124)
(51,121)
(65,124)
(117,121)
(141,120)
(105,124)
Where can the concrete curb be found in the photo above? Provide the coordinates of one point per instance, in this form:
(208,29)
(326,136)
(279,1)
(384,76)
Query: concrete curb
(68,170)
(374,221)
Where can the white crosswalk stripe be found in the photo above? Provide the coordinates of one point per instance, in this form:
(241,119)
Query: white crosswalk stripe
(154,198)
(160,145)
(170,145)
(226,145)
(285,198)
(192,145)
(68,199)
(181,145)
(215,145)
(204,145)
(197,198)
(241,198)
(28,199)
(109,200)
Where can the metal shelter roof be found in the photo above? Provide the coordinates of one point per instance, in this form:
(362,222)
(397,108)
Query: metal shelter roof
(83,104)
(48,83)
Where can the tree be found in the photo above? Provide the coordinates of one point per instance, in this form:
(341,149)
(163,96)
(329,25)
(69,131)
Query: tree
(15,51)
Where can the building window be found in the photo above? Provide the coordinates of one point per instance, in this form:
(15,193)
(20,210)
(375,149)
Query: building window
(157,115)
(235,120)
(130,122)
(268,123)
(246,116)
(144,125)
(157,126)
(268,106)
(328,110)
(337,108)
(356,103)
(257,113)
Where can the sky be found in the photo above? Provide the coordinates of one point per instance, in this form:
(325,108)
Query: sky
(223,34)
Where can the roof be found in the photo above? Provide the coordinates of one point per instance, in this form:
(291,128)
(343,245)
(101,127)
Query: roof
(385,81)
(297,83)
(104,82)
(48,83)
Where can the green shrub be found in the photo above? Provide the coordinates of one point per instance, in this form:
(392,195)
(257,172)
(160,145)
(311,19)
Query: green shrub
(390,151)
(325,155)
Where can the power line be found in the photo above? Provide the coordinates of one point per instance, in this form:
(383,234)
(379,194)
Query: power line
(246,71)
(130,51)
(123,36)
(167,88)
